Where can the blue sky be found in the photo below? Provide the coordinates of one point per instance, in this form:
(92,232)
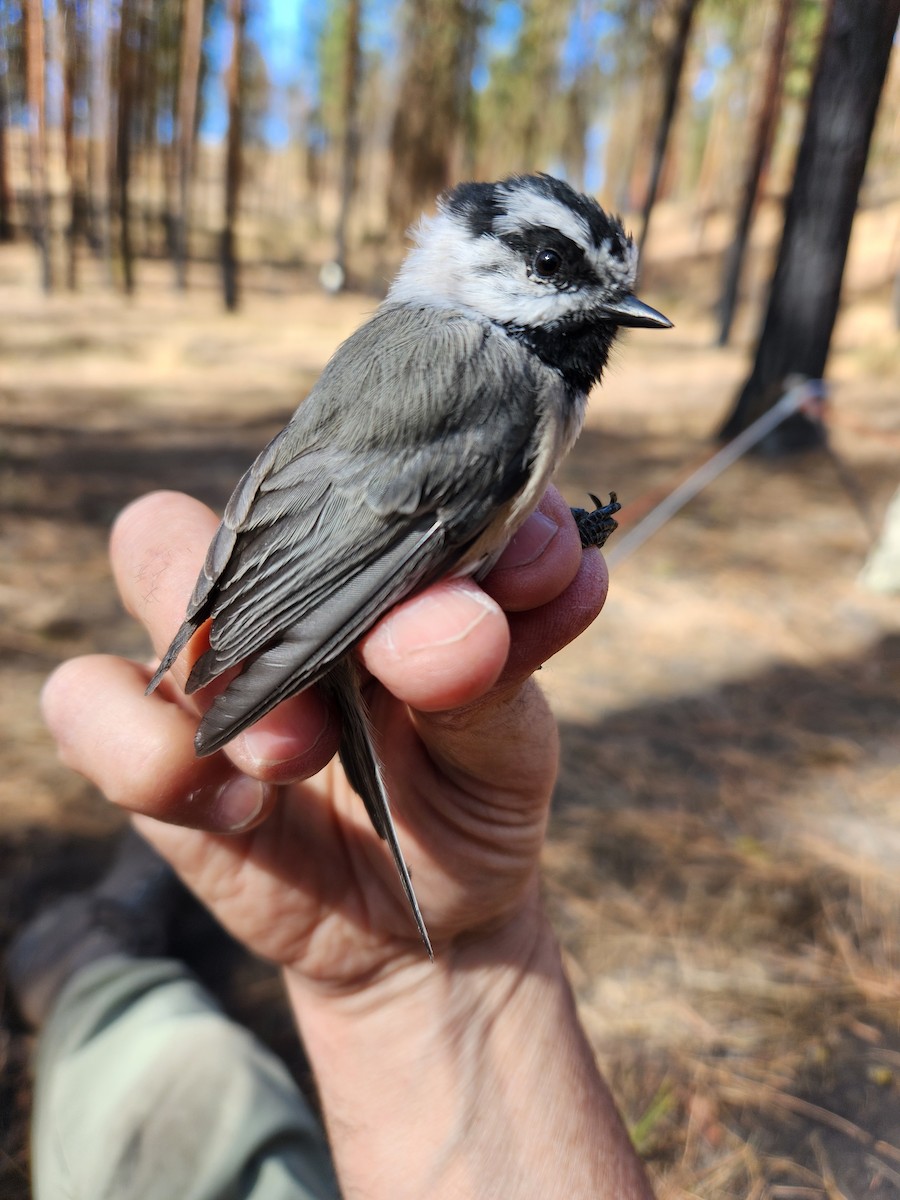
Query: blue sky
(280,32)
(286,32)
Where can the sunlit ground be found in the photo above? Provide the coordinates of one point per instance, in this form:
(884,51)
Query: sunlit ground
(723,860)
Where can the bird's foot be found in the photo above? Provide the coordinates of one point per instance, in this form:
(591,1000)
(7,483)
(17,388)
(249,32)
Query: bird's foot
(595,527)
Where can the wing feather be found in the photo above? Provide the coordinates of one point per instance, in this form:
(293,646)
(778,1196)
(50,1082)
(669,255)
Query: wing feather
(308,649)
(419,429)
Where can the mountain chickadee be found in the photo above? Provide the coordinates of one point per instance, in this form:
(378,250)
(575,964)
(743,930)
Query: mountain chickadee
(430,436)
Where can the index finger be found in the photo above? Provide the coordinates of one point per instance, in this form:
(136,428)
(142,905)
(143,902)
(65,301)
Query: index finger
(157,547)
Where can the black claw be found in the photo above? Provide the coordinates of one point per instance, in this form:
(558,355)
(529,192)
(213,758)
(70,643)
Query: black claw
(595,527)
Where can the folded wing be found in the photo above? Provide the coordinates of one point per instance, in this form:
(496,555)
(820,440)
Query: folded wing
(393,466)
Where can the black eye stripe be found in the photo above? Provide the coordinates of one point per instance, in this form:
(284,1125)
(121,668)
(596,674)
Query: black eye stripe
(543,237)
(530,241)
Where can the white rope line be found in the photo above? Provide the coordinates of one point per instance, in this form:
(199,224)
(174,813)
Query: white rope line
(803,392)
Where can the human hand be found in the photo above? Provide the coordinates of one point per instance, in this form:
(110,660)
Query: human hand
(267,832)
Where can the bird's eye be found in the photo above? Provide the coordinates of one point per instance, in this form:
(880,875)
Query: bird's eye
(546,263)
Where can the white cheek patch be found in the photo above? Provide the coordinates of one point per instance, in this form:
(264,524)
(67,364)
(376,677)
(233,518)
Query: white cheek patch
(496,284)
(451,269)
(435,268)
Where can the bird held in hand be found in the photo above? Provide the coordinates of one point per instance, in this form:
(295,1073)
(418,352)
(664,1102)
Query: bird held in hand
(430,436)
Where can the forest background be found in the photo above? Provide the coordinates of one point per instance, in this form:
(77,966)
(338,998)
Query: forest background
(199,199)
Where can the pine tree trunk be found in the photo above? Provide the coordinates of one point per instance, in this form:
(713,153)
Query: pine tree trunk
(37,135)
(233,157)
(674,67)
(351,143)
(7,228)
(761,145)
(430,106)
(146,103)
(574,141)
(468,51)
(73,65)
(544,28)
(170,199)
(98,158)
(188,88)
(124,117)
(69,142)
(713,172)
(168,166)
(619,157)
(806,286)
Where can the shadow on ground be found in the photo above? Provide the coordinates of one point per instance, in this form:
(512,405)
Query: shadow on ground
(685,807)
(715,858)
(74,474)
(720,864)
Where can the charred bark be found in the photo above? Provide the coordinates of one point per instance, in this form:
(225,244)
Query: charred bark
(761,146)
(684,18)
(806,285)
(230,269)
(351,142)
(188,89)
(37,136)
(7,229)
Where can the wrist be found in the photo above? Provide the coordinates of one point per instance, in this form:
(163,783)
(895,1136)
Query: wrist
(479,969)
(469,1078)
(399,1059)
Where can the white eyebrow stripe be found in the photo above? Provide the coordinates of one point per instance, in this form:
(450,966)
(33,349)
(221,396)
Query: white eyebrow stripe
(525,208)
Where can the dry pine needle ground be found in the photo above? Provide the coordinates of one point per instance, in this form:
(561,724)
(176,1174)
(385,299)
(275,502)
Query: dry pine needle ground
(722,866)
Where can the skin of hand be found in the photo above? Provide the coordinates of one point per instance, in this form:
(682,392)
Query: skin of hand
(267,833)
(269,836)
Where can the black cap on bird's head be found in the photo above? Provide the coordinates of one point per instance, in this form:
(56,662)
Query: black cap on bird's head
(535,256)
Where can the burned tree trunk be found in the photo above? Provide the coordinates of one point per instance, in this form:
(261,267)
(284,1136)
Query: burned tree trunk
(68,27)
(188,87)
(6,196)
(761,145)
(431,104)
(124,119)
(37,136)
(806,286)
(71,63)
(684,18)
(351,139)
(233,157)
(99,55)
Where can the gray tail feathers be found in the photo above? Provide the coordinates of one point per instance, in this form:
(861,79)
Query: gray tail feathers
(363,770)
(181,639)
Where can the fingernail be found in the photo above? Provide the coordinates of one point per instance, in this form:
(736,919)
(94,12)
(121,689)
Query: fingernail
(238,803)
(435,619)
(529,543)
(275,742)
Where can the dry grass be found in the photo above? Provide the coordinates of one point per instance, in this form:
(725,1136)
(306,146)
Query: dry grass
(722,864)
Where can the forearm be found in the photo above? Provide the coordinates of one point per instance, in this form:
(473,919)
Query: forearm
(471,1078)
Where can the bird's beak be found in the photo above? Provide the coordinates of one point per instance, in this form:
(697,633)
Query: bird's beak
(632,312)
